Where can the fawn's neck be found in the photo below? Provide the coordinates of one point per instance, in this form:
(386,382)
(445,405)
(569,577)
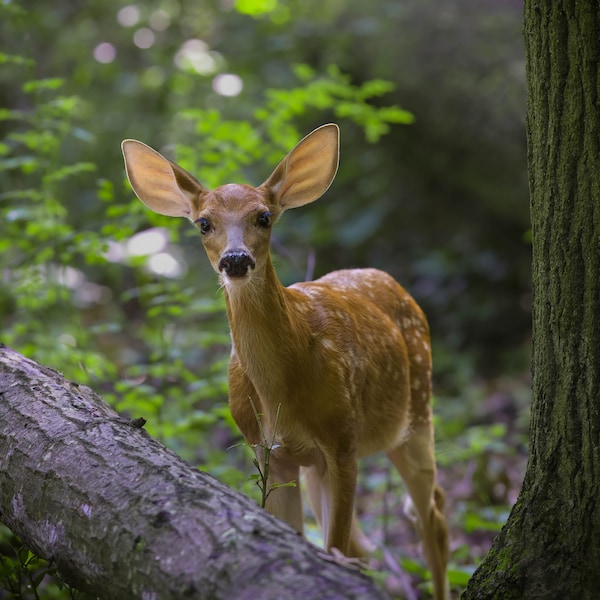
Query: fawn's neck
(268,332)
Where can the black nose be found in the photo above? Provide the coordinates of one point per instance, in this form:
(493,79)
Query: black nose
(236,263)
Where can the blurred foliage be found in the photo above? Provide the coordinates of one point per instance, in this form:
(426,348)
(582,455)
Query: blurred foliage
(124,300)
(23,575)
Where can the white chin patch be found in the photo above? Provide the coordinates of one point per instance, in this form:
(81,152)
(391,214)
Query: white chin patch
(233,283)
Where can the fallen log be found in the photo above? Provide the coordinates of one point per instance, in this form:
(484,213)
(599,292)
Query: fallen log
(123,517)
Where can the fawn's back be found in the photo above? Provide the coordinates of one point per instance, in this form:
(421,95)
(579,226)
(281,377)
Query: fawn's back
(371,342)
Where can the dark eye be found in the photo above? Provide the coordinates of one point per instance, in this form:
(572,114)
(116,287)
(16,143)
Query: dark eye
(264,219)
(204,224)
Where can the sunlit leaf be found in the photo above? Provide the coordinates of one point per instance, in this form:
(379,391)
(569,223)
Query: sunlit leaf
(36,85)
(255,7)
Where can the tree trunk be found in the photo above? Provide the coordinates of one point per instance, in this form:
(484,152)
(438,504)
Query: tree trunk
(123,517)
(550,547)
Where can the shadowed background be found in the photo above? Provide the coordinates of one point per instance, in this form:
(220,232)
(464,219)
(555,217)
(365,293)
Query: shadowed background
(96,286)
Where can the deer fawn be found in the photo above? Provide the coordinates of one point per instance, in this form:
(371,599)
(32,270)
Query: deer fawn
(347,356)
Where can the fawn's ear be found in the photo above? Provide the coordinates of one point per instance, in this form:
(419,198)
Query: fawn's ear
(161,185)
(308,170)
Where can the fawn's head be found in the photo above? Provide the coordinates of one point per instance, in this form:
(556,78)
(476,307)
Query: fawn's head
(235,220)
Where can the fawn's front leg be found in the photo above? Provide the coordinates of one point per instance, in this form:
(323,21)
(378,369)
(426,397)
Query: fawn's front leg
(341,481)
(284,502)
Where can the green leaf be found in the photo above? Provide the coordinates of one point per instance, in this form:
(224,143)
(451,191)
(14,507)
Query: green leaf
(25,163)
(16,60)
(8,114)
(394,114)
(460,577)
(276,486)
(304,72)
(475,521)
(52,83)
(255,7)
(375,87)
(70,171)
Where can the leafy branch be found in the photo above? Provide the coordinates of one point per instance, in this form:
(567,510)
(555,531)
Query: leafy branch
(262,478)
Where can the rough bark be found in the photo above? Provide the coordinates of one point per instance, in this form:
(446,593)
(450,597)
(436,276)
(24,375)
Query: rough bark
(123,517)
(549,548)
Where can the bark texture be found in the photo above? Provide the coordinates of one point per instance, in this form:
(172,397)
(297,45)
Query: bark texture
(123,517)
(550,546)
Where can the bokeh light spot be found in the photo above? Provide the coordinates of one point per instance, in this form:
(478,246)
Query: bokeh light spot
(128,16)
(143,38)
(227,84)
(195,56)
(160,20)
(105,52)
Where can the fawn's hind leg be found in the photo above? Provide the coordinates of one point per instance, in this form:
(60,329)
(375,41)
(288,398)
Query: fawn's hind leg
(414,460)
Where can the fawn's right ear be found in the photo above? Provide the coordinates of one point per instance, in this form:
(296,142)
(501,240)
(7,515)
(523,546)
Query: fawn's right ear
(161,185)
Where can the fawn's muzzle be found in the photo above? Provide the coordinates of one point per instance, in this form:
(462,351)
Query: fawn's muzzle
(236,263)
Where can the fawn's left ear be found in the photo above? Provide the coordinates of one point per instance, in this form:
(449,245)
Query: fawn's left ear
(160,184)
(308,170)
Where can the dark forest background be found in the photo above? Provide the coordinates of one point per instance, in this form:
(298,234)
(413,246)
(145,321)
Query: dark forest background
(432,187)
